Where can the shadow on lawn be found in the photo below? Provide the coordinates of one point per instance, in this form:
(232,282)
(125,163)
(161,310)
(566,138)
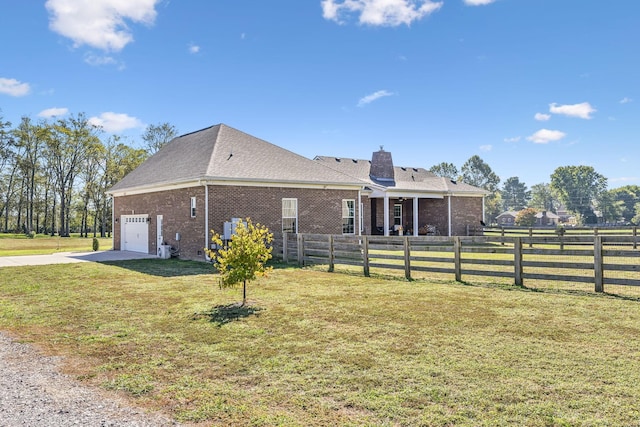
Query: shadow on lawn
(555,291)
(176,267)
(223,314)
(164,267)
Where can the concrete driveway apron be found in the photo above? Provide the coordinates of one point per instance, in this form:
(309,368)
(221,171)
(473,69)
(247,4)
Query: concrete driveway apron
(71,257)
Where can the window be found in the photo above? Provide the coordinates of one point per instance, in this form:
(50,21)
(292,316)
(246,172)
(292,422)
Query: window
(289,215)
(193,207)
(397,215)
(348,216)
(361,217)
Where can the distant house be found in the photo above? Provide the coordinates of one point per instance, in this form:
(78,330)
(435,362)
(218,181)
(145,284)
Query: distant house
(507,218)
(546,219)
(207,179)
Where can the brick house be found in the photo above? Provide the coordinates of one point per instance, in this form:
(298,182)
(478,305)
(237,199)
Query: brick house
(204,180)
(410,201)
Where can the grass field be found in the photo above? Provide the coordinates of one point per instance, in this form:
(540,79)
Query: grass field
(19,244)
(318,349)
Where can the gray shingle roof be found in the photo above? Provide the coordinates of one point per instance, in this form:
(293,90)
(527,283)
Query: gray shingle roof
(221,153)
(406,178)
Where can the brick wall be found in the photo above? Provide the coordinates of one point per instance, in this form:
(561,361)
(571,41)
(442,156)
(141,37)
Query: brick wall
(319,211)
(175,208)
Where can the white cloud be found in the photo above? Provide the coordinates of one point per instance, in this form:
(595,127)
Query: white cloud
(624,179)
(13,87)
(99,23)
(626,100)
(514,139)
(478,2)
(487,147)
(53,112)
(376,95)
(544,136)
(542,117)
(116,122)
(98,60)
(193,48)
(582,111)
(380,12)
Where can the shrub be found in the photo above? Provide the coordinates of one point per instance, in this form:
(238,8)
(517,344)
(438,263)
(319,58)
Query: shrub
(31,234)
(95,244)
(526,217)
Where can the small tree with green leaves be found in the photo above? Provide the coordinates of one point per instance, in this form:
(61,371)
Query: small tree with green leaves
(243,259)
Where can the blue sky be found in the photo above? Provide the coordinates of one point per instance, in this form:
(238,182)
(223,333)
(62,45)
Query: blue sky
(528,85)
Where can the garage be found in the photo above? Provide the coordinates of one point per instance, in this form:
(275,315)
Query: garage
(135,233)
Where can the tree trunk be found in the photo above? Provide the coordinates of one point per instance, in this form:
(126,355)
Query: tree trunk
(244,293)
(53,216)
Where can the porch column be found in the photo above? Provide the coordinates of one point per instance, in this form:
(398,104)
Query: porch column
(449,207)
(416,224)
(483,218)
(360,215)
(386,214)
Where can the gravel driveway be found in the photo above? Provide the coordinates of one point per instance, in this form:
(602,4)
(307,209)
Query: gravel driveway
(34,393)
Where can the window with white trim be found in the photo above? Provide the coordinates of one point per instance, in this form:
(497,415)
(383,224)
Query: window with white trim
(397,215)
(348,216)
(289,215)
(193,207)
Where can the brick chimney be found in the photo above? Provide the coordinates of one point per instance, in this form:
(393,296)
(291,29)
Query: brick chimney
(382,166)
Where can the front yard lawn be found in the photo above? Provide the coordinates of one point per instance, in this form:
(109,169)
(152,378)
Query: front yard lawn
(317,349)
(16,244)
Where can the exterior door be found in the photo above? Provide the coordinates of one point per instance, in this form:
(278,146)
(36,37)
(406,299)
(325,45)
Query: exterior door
(135,233)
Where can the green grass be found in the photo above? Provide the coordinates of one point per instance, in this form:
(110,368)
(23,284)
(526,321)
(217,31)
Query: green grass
(317,349)
(16,244)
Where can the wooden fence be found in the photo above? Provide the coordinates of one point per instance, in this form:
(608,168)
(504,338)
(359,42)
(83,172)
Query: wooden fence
(598,260)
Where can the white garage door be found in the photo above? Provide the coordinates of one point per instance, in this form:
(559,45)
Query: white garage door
(135,233)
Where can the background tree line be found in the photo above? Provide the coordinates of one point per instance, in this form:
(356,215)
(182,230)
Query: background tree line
(54,174)
(580,190)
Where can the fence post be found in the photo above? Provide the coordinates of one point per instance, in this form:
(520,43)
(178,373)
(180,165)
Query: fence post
(365,255)
(456,258)
(598,264)
(635,240)
(300,250)
(502,235)
(285,248)
(331,254)
(517,260)
(530,237)
(407,259)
